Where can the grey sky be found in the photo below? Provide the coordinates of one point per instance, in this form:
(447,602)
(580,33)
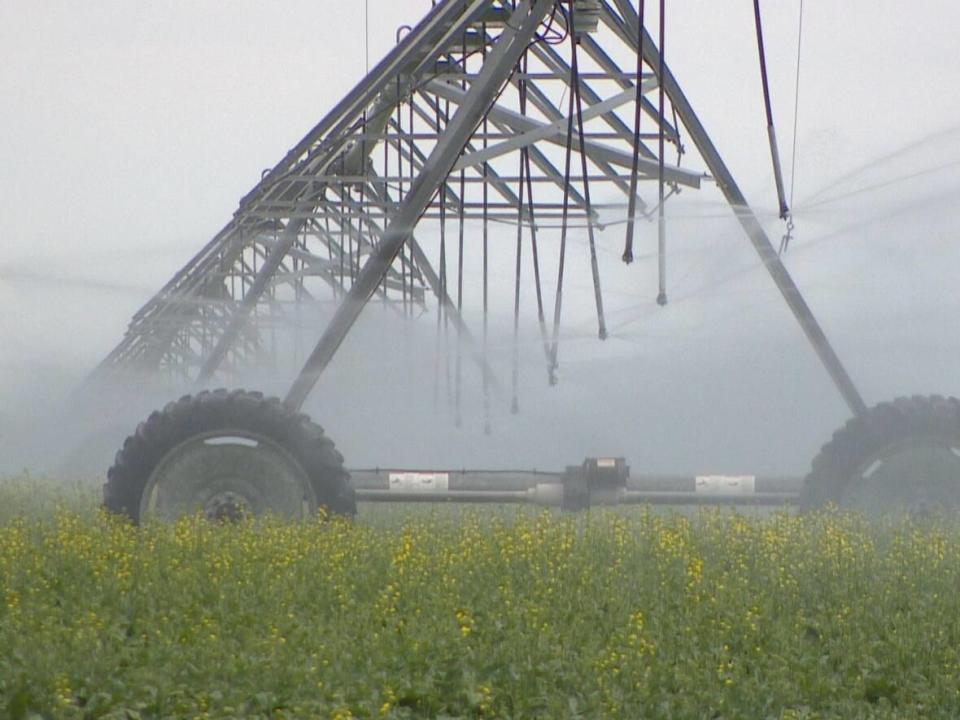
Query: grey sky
(128,132)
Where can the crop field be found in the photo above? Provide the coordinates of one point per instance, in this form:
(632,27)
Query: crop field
(480,613)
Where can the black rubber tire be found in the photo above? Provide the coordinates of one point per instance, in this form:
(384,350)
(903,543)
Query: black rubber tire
(866,436)
(209,411)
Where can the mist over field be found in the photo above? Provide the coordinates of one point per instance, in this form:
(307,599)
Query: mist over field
(134,133)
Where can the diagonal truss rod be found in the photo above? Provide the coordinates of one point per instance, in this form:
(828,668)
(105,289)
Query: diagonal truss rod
(439,289)
(506,52)
(595,151)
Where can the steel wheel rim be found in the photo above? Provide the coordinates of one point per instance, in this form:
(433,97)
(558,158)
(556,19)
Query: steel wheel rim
(916,476)
(226,475)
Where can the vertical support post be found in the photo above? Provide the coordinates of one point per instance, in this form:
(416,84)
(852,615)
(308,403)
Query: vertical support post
(515,400)
(638,114)
(458,367)
(486,252)
(561,264)
(588,206)
(661,217)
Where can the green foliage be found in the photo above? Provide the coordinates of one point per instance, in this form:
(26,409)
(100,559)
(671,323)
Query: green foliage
(487,613)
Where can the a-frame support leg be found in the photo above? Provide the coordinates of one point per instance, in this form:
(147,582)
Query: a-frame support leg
(755,232)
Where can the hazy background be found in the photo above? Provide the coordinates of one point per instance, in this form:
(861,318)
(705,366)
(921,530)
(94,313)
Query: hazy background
(129,131)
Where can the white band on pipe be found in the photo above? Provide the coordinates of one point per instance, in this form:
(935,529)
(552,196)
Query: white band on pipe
(726,484)
(419,482)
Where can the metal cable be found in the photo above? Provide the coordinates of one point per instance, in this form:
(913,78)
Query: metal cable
(796,107)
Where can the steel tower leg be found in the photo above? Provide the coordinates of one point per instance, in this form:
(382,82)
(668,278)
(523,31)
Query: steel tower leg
(755,232)
(509,47)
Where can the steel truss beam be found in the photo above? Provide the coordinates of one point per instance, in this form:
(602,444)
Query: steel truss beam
(332,224)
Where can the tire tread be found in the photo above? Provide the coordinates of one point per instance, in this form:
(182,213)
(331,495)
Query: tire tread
(211,410)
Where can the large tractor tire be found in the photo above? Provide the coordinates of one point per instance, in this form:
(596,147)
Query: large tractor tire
(899,456)
(227,454)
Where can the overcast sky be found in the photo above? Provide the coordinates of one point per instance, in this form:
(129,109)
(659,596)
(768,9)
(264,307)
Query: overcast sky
(129,131)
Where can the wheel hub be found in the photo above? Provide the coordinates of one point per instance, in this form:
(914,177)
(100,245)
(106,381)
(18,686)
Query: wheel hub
(227,507)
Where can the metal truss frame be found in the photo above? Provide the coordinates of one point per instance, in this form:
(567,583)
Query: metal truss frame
(474,117)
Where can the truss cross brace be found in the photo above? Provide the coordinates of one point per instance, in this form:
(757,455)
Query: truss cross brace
(596,151)
(556,129)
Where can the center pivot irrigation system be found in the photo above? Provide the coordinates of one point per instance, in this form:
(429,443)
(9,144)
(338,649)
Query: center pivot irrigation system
(488,114)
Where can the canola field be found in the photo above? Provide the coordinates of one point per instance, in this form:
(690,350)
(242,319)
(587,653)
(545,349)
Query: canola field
(481,613)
